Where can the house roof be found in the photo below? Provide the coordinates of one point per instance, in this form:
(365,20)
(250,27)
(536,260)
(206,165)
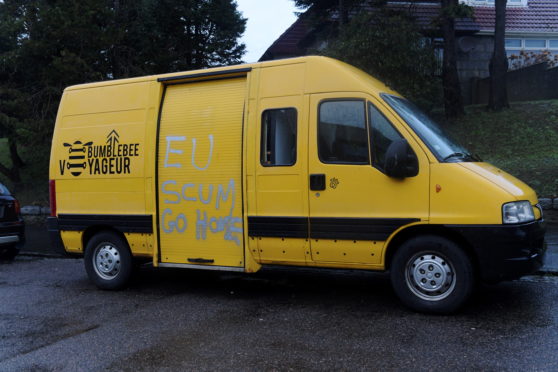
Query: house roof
(540,16)
(289,43)
(425,12)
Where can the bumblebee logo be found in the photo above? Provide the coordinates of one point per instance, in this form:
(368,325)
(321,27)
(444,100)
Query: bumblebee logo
(333,183)
(76,162)
(112,158)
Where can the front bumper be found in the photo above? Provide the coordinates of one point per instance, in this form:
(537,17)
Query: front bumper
(506,252)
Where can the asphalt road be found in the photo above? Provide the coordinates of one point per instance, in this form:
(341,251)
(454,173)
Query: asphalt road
(53,319)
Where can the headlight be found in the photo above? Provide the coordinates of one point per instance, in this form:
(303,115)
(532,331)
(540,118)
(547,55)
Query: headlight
(517,212)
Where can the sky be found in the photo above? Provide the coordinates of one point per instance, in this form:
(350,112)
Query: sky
(267,20)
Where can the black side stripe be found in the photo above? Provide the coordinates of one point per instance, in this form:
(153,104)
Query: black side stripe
(132,223)
(326,227)
(281,227)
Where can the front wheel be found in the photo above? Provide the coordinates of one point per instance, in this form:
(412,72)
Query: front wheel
(108,260)
(432,274)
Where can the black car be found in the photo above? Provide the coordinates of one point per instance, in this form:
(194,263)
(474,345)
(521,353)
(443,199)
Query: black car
(12,227)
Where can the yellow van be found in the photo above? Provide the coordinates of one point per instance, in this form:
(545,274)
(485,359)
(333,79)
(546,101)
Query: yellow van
(301,162)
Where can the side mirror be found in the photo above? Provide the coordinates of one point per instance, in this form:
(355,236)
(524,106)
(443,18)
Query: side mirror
(401,160)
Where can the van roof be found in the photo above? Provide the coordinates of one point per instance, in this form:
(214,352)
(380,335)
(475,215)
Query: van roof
(330,74)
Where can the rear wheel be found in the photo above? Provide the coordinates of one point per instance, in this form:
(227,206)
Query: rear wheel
(432,274)
(108,260)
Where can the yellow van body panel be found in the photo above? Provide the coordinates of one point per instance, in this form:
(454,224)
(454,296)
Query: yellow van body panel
(474,193)
(362,193)
(175,163)
(200,173)
(72,241)
(504,180)
(280,190)
(99,157)
(460,196)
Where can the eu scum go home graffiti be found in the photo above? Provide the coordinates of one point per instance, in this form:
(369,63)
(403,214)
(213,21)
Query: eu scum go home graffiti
(212,214)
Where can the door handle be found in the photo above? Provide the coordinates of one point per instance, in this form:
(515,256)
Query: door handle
(201,260)
(317,182)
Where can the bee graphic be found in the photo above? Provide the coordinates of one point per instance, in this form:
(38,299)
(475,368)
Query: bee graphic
(333,183)
(76,163)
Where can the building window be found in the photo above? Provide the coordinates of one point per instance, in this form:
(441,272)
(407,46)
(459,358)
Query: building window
(342,134)
(491,2)
(278,146)
(526,52)
(513,43)
(535,43)
(514,46)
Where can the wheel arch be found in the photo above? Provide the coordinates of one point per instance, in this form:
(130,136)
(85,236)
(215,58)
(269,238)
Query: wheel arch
(91,231)
(437,230)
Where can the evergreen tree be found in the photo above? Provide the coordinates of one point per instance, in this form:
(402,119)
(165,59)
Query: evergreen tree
(383,42)
(389,46)
(450,10)
(46,45)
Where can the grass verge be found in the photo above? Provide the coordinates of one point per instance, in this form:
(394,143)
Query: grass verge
(522,140)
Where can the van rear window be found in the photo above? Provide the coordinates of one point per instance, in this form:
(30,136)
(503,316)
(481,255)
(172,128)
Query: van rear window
(278,145)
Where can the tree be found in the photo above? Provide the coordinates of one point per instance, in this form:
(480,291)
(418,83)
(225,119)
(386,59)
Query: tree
(189,34)
(391,47)
(42,49)
(323,9)
(453,101)
(449,11)
(384,42)
(498,98)
(46,45)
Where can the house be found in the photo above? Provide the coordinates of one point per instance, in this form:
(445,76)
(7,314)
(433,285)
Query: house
(531,26)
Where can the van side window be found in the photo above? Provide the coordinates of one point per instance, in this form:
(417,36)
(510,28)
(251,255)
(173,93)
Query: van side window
(382,134)
(278,145)
(342,135)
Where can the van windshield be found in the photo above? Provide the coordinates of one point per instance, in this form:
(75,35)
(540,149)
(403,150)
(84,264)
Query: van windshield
(443,147)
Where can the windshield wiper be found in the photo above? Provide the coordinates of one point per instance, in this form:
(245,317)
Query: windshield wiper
(463,156)
(454,155)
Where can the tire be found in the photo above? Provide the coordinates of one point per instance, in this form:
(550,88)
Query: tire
(108,261)
(432,274)
(9,253)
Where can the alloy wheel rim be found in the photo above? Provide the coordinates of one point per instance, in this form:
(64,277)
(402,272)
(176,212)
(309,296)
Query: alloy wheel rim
(430,276)
(106,261)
